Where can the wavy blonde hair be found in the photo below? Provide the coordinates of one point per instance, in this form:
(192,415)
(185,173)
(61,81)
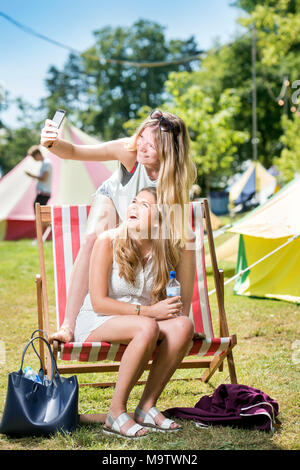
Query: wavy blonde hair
(165,255)
(177,172)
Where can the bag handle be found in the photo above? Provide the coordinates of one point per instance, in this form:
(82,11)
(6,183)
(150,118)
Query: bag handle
(45,333)
(54,365)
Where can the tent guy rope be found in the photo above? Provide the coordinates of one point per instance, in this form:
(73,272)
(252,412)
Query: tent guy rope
(31,31)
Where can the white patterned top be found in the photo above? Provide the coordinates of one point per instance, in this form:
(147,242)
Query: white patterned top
(122,195)
(119,289)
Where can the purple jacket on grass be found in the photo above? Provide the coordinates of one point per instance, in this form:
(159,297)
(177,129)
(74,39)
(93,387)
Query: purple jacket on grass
(232,405)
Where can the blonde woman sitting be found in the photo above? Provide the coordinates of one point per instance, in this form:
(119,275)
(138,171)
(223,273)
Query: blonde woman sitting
(127,304)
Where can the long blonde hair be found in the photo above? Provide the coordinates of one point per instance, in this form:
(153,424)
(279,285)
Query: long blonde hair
(177,172)
(165,256)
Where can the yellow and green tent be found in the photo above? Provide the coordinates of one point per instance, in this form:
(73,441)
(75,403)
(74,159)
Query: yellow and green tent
(262,231)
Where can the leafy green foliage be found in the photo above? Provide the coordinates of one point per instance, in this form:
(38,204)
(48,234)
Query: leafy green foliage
(289,161)
(278,45)
(14,143)
(102,95)
(278,27)
(109,99)
(210,123)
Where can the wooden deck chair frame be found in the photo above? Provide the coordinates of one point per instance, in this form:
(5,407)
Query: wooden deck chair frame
(210,363)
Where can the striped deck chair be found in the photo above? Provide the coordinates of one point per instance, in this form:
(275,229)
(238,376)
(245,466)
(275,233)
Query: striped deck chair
(68,227)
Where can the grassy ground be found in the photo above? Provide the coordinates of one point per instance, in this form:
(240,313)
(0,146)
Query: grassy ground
(266,330)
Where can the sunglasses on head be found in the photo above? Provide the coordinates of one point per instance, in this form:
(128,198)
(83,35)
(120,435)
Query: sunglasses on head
(165,124)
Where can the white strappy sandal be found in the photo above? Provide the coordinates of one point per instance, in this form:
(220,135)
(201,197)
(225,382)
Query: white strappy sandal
(148,420)
(116,425)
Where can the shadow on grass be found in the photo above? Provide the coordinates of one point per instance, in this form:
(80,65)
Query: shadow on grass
(229,271)
(90,436)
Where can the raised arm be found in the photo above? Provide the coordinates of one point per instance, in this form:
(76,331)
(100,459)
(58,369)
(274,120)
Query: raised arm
(44,176)
(112,150)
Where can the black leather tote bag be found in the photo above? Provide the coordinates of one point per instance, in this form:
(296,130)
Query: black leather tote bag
(40,409)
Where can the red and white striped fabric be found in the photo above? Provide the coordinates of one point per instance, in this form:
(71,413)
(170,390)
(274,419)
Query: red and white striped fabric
(68,228)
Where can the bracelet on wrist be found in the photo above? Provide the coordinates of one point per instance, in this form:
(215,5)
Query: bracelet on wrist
(137,309)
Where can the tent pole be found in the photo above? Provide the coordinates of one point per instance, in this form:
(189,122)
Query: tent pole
(254,111)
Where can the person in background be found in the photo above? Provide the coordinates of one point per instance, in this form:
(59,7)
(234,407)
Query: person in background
(195,192)
(44,179)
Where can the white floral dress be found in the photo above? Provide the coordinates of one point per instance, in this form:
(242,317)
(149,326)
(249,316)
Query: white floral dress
(139,293)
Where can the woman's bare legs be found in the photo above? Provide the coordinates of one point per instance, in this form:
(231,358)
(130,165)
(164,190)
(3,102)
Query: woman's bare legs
(141,335)
(176,335)
(102,216)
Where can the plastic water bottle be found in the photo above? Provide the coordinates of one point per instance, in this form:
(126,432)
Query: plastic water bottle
(31,375)
(173,286)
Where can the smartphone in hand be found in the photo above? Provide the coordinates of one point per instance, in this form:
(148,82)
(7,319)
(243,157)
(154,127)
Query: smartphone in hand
(58,118)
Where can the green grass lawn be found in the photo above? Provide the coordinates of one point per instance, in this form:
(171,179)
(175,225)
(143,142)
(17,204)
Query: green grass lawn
(266,330)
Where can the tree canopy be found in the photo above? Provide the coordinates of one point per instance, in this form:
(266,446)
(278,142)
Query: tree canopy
(214,96)
(103,95)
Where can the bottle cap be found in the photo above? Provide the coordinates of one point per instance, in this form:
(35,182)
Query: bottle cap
(172,275)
